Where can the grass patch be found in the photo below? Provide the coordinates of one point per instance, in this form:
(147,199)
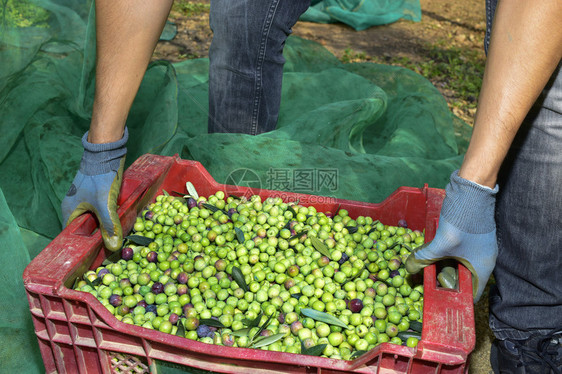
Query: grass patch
(22,13)
(454,69)
(190,8)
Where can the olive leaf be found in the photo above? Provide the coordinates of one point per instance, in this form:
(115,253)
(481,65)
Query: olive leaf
(337,210)
(290,209)
(298,235)
(393,245)
(239,235)
(352,229)
(239,278)
(139,240)
(404,335)
(93,283)
(181,329)
(416,326)
(253,322)
(165,193)
(262,327)
(357,354)
(323,317)
(191,190)
(267,340)
(320,247)
(211,322)
(234,196)
(374,228)
(213,208)
(351,279)
(296,295)
(114,257)
(241,332)
(314,351)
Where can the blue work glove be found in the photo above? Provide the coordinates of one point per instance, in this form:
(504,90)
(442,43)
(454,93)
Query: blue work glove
(466,232)
(96,187)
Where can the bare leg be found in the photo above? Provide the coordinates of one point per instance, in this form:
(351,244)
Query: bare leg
(127,32)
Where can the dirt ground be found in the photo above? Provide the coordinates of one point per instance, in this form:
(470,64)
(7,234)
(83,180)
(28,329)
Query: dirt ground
(454,23)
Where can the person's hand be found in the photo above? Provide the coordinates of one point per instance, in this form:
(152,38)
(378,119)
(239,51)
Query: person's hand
(466,232)
(96,187)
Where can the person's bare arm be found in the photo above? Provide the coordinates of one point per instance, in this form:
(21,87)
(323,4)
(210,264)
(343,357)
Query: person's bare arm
(127,32)
(525,48)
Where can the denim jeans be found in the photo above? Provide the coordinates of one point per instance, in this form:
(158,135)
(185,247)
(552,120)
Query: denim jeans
(527,297)
(246,62)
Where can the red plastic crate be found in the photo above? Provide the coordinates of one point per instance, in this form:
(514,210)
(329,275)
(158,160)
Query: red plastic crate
(77,334)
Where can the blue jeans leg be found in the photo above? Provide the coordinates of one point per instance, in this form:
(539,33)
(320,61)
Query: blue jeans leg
(527,297)
(246,62)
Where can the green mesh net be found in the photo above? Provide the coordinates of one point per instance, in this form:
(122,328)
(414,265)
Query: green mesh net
(362,14)
(371,128)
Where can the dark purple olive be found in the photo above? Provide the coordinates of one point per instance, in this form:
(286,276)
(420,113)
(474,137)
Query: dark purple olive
(355,305)
(203,331)
(174,318)
(115,300)
(182,278)
(403,223)
(231,211)
(344,258)
(127,253)
(149,215)
(281,318)
(394,273)
(157,288)
(142,303)
(151,308)
(191,203)
(102,272)
(152,256)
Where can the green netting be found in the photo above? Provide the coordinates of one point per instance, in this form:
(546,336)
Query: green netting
(362,14)
(378,127)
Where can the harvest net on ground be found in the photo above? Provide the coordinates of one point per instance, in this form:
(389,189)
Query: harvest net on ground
(355,131)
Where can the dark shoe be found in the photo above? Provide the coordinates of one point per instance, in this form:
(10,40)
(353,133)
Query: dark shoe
(541,354)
